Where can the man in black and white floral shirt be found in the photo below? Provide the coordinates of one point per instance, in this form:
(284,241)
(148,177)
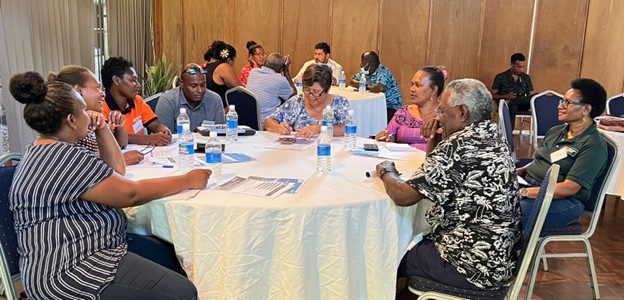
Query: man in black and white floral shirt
(469,176)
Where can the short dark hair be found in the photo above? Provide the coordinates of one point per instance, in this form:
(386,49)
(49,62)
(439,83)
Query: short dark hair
(216,51)
(252,46)
(114,66)
(372,56)
(47,104)
(592,93)
(517,57)
(323,46)
(437,77)
(320,73)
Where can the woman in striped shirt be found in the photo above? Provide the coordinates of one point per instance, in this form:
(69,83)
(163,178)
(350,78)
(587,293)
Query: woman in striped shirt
(67,203)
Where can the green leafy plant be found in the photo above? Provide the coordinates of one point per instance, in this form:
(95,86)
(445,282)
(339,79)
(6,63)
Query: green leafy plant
(158,78)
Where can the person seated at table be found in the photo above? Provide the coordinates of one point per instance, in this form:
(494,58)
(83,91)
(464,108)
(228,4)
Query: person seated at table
(378,80)
(271,83)
(469,177)
(321,56)
(87,85)
(304,113)
(200,103)
(220,75)
(122,94)
(256,60)
(577,147)
(405,125)
(71,199)
(515,86)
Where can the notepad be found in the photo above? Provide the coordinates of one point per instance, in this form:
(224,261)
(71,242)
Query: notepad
(400,147)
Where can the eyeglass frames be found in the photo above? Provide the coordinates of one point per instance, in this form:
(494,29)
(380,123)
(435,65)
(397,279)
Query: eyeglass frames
(312,93)
(564,103)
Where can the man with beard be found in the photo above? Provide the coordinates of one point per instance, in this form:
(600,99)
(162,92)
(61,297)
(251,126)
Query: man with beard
(321,56)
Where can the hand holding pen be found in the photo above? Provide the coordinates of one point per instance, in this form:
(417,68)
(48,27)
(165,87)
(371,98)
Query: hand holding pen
(385,136)
(283,128)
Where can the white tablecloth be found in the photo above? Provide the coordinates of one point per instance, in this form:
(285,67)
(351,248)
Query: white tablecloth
(339,237)
(616,185)
(369,109)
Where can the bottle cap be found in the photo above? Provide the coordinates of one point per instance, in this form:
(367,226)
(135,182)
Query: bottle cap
(182,110)
(231,106)
(323,128)
(213,134)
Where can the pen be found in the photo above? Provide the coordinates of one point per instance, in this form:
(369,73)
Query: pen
(387,137)
(281,117)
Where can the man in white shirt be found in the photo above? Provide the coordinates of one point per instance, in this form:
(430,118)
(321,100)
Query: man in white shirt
(321,56)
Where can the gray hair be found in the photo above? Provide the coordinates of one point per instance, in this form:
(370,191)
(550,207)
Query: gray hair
(275,62)
(474,95)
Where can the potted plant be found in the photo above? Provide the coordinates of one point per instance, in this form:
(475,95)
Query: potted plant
(158,78)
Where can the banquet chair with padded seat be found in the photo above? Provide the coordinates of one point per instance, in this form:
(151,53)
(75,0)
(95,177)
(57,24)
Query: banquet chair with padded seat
(574,232)
(504,122)
(615,105)
(428,289)
(152,101)
(246,105)
(9,258)
(544,107)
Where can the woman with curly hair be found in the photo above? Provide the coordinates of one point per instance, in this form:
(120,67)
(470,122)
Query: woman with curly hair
(220,75)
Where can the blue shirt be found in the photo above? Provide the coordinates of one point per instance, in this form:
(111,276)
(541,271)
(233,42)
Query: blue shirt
(268,86)
(169,104)
(297,116)
(383,76)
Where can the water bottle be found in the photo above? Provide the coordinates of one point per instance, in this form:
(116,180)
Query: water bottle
(183,118)
(186,149)
(231,134)
(350,131)
(342,82)
(323,151)
(328,120)
(299,84)
(213,157)
(362,88)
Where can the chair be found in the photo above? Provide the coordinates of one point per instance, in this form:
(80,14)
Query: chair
(615,105)
(9,258)
(175,82)
(574,231)
(544,108)
(246,106)
(504,122)
(530,236)
(152,101)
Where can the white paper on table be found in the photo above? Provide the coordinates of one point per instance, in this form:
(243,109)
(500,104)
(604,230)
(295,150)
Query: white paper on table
(254,187)
(165,151)
(162,161)
(400,147)
(184,195)
(294,147)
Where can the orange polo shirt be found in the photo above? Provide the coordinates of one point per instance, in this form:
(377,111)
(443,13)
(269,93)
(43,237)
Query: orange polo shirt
(138,114)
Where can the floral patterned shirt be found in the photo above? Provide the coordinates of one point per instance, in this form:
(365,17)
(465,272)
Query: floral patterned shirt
(383,76)
(296,115)
(245,71)
(476,219)
(406,128)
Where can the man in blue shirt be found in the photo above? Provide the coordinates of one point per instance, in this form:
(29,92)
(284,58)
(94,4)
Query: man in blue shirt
(379,80)
(200,104)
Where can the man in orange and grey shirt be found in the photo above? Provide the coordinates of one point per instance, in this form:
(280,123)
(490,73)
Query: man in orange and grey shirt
(122,88)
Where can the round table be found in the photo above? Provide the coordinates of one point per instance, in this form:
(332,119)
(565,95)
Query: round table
(616,185)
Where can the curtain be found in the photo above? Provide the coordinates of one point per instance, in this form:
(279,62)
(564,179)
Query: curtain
(42,36)
(130,32)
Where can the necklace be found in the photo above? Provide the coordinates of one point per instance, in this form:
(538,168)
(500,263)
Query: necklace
(48,137)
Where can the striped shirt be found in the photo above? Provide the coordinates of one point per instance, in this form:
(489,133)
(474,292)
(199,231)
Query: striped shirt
(69,248)
(90,142)
(268,86)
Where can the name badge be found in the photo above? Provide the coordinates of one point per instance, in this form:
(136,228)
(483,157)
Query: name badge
(137,125)
(558,155)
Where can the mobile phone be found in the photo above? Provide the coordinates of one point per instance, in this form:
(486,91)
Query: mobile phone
(371,147)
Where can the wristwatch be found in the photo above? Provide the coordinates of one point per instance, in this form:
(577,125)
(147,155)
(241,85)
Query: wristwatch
(523,192)
(382,173)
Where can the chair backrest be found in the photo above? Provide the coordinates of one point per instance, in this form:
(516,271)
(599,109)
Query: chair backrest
(533,228)
(9,258)
(504,121)
(599,190)
(152,101)
(175,82)
(246,106)
(615,105)
(544,108)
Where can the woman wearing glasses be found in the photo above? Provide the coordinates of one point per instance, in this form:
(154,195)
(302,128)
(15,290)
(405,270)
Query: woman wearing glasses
(69,198)
(304,113)
(577,147)
(256,60)
(220,75)
(427,86)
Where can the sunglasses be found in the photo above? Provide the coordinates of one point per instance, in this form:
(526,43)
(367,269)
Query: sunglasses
(194,70)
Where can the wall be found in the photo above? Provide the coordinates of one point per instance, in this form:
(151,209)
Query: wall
(472,38)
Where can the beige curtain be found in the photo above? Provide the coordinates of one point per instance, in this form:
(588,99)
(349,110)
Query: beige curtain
(42,36)
(130,31)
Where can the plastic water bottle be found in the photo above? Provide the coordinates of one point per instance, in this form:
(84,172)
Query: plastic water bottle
(342,82)
(323,151)
(231,134)
(183,118)
(362,88)
(213,158)
(328,120)
(299,84)
(186,149)
(350,131)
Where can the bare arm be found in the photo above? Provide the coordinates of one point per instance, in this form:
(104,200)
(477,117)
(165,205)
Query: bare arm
(401,193)
(117,191)
(107,145)
(565,189)
(376,88)
(279,128)
(227,75)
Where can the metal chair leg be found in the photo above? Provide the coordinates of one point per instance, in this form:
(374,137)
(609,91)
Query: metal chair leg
(593,280)
(534,269)
(544,261)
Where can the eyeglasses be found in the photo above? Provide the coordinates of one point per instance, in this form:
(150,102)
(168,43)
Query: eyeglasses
(313,93)
(564,104)
(148,149)
(440,111)
(194,70)
(260,54)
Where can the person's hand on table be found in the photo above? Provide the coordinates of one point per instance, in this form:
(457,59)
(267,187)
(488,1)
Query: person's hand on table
(385,136)
(309,131)
(283,128)
(159,139)
(133,157)
(198,178)
(385,165)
